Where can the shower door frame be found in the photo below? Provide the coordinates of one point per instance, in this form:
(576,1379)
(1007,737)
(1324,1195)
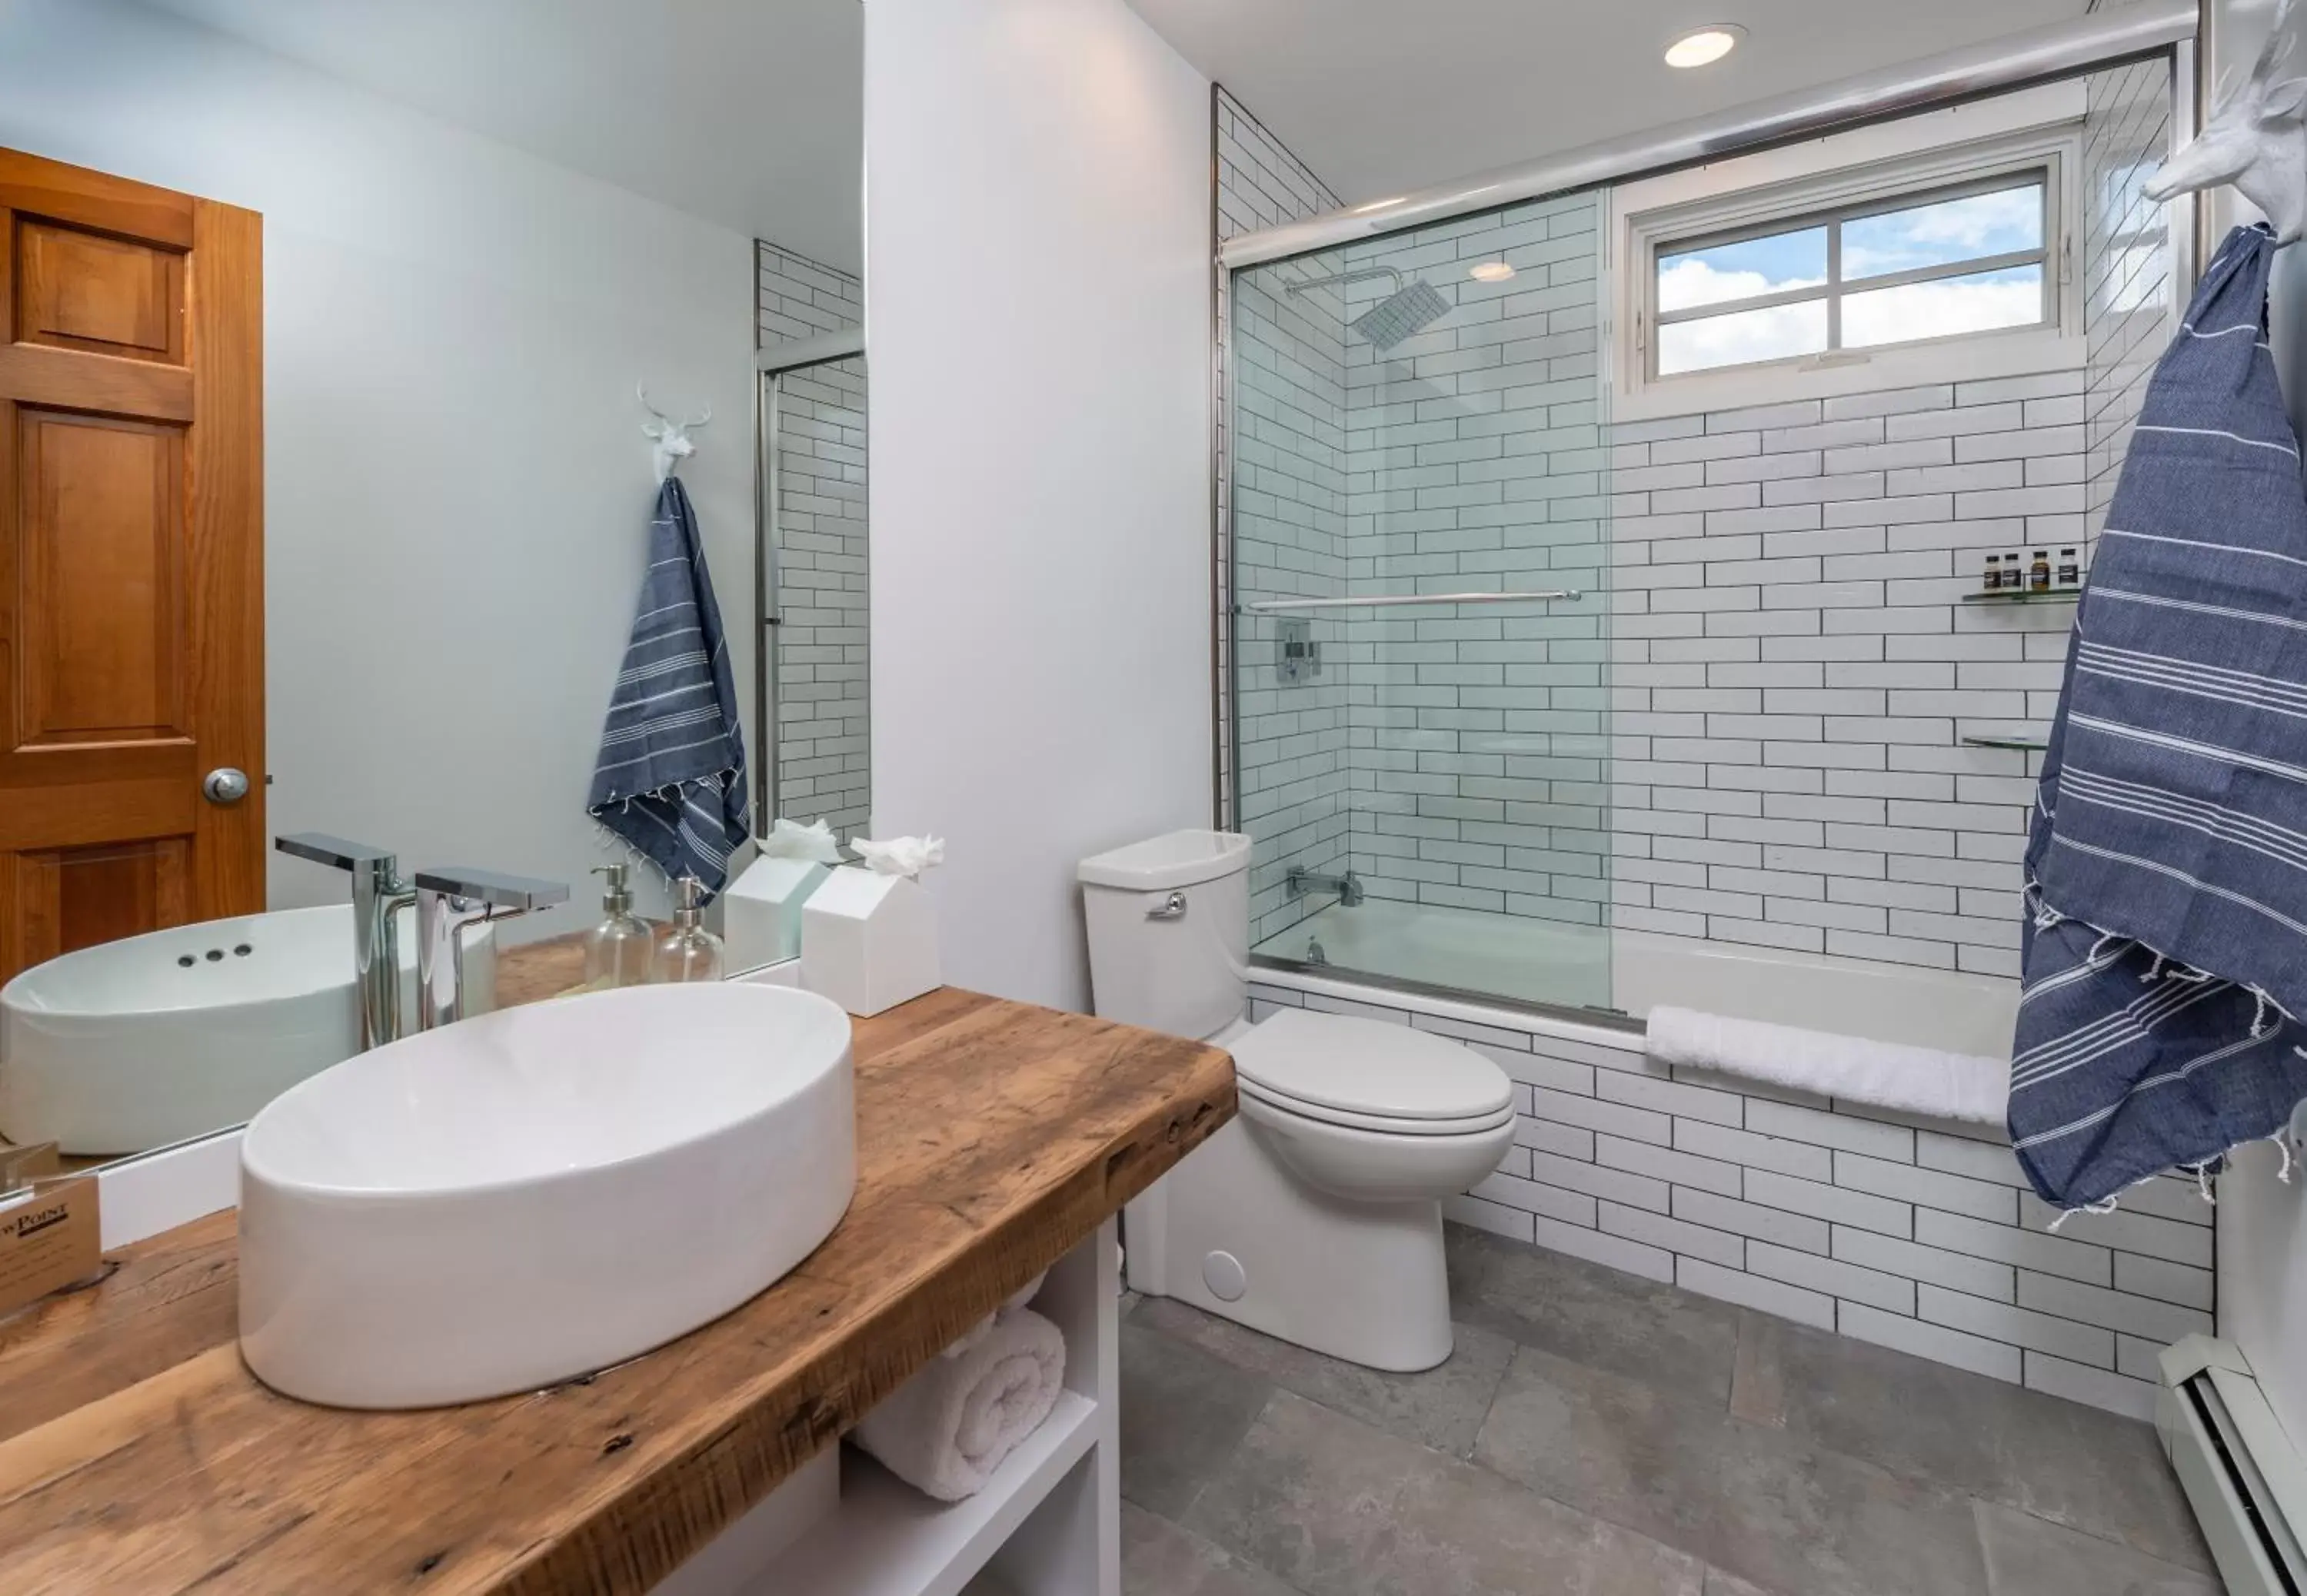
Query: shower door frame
(772,365)
(2172,29)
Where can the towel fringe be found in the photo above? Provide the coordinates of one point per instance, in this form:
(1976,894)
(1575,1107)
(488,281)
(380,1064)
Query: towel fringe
(2263,1003)
(2031,897)
(2102,1207)
(717,780)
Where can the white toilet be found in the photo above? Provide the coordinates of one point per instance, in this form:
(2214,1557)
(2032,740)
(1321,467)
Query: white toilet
(1315,1215)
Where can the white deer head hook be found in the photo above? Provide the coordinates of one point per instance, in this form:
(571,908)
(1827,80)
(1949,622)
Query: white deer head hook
(2256,139)
(673,444)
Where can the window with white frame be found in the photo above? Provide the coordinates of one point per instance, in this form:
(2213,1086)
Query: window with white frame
(1924,252)
(1939,264)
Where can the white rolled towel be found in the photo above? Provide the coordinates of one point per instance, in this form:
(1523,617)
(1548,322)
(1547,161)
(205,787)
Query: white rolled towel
(1948,1085)
(946,1430)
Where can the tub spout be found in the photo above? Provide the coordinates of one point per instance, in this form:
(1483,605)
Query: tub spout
(1347,887)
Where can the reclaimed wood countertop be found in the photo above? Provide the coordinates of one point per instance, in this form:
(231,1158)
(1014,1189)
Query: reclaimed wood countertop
(138,1455)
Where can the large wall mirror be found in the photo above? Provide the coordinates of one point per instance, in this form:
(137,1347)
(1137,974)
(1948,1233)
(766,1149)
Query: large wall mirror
(346,342)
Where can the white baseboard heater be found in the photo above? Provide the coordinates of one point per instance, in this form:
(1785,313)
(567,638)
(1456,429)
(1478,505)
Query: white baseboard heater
(2242,1475)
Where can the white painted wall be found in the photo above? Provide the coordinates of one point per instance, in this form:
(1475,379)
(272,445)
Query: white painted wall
(458,493)
(1038,300)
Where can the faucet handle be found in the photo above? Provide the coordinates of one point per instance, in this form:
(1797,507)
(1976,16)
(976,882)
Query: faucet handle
(322,849)
(514,895)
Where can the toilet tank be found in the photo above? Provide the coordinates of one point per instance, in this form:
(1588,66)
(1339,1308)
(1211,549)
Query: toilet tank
(1169,931)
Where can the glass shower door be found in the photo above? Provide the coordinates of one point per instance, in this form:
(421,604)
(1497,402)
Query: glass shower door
(1420,442)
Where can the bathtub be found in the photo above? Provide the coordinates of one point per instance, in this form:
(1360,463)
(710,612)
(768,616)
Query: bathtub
(1489,957)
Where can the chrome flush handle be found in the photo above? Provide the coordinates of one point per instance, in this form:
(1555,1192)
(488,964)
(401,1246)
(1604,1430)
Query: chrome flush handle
(1173,908)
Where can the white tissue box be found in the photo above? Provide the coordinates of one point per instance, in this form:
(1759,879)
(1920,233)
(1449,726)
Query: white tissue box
(762,912)
(869,941)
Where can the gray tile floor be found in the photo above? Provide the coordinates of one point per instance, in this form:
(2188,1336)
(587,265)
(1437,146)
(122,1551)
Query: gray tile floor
(1600,1435)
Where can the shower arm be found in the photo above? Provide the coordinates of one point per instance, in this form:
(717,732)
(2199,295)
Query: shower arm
(1340,279)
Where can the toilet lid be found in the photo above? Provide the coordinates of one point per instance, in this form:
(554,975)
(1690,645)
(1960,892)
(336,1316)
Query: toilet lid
(1369,1067)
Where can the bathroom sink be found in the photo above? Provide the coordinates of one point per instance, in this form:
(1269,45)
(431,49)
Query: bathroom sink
(139,1042)
(531,1195)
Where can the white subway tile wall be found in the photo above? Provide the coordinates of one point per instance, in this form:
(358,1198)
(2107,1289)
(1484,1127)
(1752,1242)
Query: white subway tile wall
(1794,669)
(1288,465)
(1922,1239)
(823,749)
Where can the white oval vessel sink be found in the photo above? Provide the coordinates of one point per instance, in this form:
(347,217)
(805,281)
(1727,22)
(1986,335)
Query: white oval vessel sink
(531,1195)
(146,1041)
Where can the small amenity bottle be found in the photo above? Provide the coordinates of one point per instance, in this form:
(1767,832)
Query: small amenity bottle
(617,949)
(685,950)
(2038,575)
(2071,569)
(1992,581)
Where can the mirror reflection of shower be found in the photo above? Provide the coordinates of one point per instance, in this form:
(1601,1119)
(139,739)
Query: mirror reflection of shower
(813,564)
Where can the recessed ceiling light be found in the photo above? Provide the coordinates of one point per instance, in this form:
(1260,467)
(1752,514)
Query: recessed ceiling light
(1704,47)
(1379,205)
(1490,271)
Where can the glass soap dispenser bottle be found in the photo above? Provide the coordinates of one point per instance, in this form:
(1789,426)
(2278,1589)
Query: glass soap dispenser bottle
(617,949)
(685,950)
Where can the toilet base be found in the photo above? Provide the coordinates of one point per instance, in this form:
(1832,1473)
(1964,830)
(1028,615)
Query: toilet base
(1364,1282)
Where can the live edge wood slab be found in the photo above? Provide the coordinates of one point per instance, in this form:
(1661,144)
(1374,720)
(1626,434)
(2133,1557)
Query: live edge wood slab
(139,1457)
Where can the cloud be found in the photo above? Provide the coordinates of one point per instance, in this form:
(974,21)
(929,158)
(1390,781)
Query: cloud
(1895,315)
(1942,309)
(2003,222)
(1690,281)
(1742,337)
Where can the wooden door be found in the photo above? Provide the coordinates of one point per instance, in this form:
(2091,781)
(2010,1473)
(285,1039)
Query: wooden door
(132,578)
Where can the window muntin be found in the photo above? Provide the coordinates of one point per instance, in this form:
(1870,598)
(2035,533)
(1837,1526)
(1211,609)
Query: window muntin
(1909,268)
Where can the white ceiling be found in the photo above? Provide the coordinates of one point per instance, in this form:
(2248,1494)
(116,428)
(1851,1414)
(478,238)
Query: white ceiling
(747,113)
(1379,97)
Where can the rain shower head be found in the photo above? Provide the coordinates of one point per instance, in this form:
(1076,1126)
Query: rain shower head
(1406,309)
(1411,308)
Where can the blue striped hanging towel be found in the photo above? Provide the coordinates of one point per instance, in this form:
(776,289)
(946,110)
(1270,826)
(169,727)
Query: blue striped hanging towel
(2166,947)
(671,776)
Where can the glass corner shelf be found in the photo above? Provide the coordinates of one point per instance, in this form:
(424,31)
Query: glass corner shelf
(2024,745)
(2055,595)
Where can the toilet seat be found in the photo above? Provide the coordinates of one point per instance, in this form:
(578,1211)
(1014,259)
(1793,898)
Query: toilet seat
(1369,1075)
(1391,1125)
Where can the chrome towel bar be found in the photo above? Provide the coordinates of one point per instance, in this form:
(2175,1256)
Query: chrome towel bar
(1279,606)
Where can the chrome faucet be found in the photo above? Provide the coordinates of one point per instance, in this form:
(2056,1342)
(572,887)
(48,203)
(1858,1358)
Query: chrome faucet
(448,899)
(379,895)
(1348,887)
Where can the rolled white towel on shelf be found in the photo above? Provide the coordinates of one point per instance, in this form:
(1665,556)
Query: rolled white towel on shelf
(946,1430)
(1948,1085)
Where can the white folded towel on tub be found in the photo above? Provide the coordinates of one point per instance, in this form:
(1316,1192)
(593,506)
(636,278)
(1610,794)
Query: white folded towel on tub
(1948,1085)
(946,1430)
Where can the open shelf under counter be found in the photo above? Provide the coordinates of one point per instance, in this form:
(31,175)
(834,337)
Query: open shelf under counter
(887,1539)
